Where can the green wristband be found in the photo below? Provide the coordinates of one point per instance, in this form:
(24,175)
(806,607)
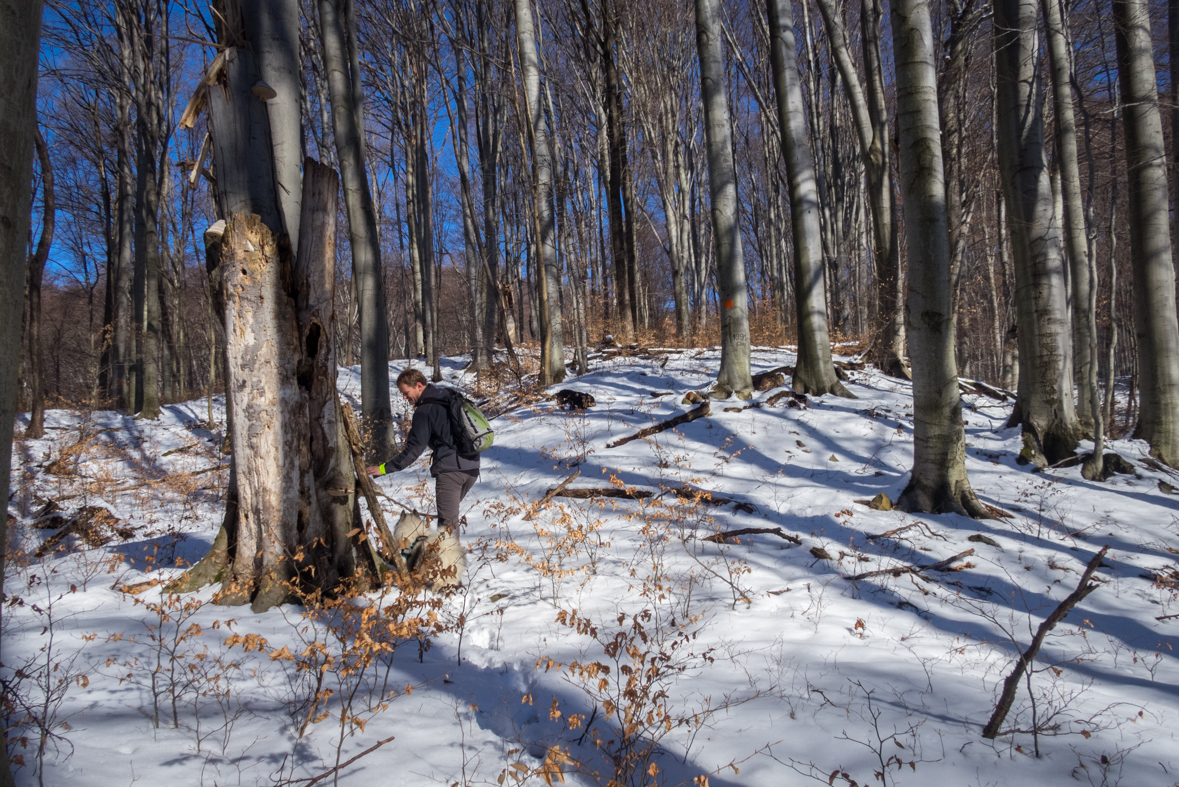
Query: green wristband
(381,467)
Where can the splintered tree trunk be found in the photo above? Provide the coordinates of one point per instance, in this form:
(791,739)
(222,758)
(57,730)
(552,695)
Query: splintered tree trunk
(276,491)
(815,372)
(734,375)
(20,37)
(36,427)
(331,550)
(1150,236)
(1045,405)
(939,483)
(552,343)
(366,251)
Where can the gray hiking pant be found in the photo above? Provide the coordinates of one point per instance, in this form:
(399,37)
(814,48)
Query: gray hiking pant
(449,490)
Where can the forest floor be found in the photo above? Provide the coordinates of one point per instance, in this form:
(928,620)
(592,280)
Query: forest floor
(606,638)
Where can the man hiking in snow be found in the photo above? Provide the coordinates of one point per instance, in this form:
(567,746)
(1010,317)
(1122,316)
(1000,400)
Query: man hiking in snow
(454,473)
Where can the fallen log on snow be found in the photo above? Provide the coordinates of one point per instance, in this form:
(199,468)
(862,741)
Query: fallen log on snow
(720,538)
(603,491)
(631,493)
(671,423)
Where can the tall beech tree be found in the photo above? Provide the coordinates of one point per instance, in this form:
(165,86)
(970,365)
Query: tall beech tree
(1075,235)
(552,343)
(939,483)
(735,375)
(344,87)
(1045,406)
(20,38)
(814,372)
(1155,325)
(870,116)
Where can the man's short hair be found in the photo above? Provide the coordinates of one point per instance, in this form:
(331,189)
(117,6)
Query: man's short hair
(411,378)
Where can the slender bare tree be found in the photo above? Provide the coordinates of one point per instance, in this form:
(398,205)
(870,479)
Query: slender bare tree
(1155,324)
(735,375)
(344,87)
(870,114)
(36,273)
(552,343)
(20,40)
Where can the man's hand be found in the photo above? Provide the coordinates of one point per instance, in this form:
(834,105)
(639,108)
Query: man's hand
(373,470)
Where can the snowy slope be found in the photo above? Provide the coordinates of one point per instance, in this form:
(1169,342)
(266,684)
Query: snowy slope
(751,662)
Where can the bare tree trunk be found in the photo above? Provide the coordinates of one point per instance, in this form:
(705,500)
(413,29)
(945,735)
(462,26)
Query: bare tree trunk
(36,271)
(20,37)
(1076,242)
(332,550)
(939,483)
(1045,406)
(734,375)
(276,493)
(871,121)
(814,372)
(552,347)
(621,248)
(121,334)
(1155,324)
(272,27)
(344,85)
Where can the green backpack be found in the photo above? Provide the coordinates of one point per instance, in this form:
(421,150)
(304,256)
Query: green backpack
(469,427)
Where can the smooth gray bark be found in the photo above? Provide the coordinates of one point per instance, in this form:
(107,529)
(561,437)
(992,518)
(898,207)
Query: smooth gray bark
(552,343)
(814,373)
(1045,406)
(272,28)
(343,86)
(1155,323)
(939,483)
(20,37)
(1075,235)
(734,375)
(871,123)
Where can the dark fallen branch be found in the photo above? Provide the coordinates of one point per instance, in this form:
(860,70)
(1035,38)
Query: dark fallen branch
(671,423)
(1166,617)
(1011,684)
(897,571)
(312,780)
(720,538)
(549,495)
(603,491)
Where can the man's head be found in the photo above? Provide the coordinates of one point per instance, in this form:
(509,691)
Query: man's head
(411,383)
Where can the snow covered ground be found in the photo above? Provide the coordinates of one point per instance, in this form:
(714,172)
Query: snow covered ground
(606,637)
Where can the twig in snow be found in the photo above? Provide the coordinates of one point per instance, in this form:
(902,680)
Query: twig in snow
(1011,684)
(941,565)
